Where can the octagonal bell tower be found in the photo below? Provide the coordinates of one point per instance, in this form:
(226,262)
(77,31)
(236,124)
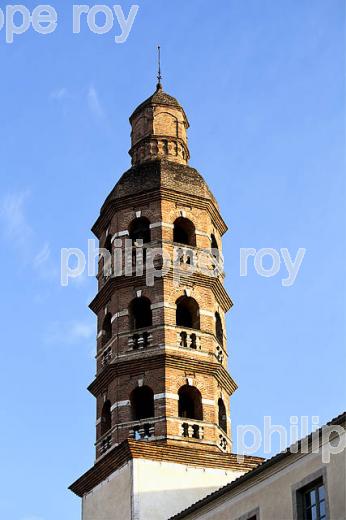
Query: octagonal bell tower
(163,431)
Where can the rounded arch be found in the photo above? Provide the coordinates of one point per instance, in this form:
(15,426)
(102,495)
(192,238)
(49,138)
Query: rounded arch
(218,328)
(166,123)
(140,314)
(187,313)
(142,403)
(139,229)
(106,417)
(107,328)
(190,403)
(222,416)
(184,232)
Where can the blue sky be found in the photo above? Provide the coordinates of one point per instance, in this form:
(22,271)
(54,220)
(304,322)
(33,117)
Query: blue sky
(262,83)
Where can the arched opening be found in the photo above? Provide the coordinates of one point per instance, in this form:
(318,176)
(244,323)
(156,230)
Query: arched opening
(139,229)
(106,417)
(107,328)
(218,328)
(108,244)
(184,232)
(215,250)
(190,403)
(214,244)
(140,314)
(142,403)
(222,416)
(106,255)
(187,313)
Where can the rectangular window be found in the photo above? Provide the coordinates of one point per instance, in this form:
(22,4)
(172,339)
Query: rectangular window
(251,515)
(311,501)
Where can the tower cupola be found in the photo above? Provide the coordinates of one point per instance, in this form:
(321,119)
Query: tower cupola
(159,127)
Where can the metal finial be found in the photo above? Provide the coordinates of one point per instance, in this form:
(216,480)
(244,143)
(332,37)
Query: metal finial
(159,77)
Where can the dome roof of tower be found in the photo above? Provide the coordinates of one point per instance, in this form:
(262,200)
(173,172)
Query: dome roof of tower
(180,180)
(161,174)
(159,97)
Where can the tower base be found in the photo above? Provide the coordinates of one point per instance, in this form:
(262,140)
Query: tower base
(154,482)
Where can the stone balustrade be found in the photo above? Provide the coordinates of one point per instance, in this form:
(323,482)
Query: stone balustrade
(223,442)
(192,430)
(142,431)
(139,340)
(188,339)
(106,356)
(219,354)
(106,444)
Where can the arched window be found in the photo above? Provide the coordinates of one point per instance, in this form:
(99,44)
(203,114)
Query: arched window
(215,249)
(142,403)
(214,244)
(218,328)
(187,314)
(139,229)
(107,256)
(140,314)
(222,416)
(108,244)
(106,418)
(184,232)
(107,328)
(190,403)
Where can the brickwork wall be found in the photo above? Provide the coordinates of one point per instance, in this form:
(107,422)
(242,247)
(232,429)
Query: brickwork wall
(165,384)
(159,131)
(182,194)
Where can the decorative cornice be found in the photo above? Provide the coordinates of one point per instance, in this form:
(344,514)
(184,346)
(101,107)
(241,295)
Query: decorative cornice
(112,205)
(159,451)
(147,148)
(133,367)
(198,202)
(115,283)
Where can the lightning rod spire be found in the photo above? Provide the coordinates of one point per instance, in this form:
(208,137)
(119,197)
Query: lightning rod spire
(159,77)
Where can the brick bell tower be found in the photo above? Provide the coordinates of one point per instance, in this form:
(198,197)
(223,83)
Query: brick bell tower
(163,430)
